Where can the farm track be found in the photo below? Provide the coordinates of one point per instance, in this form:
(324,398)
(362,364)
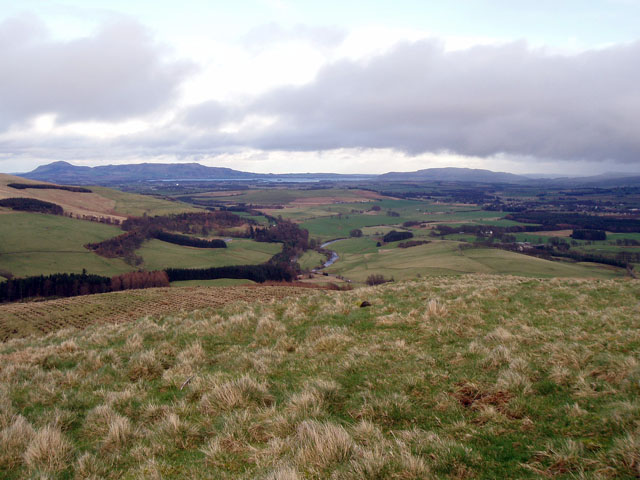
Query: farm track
(40,318)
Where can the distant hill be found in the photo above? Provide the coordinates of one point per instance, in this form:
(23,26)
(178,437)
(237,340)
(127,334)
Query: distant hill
(451,174)
(64,172)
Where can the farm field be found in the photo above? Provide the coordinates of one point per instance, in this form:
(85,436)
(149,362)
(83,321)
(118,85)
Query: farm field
(218,282)
(131,204)
(476,376)
(295,196)
(34,244)
(76,203)
(360,258)
(311,259)
(38,318)
(159,255)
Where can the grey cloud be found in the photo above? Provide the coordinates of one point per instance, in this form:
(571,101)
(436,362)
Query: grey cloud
(260,37)
(115,74)
(209,114)
(482,101)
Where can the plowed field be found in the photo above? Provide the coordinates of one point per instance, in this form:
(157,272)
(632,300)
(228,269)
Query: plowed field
(22,319)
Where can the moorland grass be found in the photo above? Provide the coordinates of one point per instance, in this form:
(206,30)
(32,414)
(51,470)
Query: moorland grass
(468,377)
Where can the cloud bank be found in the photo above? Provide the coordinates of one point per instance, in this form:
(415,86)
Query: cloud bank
(119,73)
(414,98)
(482,101)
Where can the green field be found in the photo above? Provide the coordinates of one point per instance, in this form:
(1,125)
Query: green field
(158,255)
(360,258)
(311,259)
(138,205)
(35,244)
(281,196)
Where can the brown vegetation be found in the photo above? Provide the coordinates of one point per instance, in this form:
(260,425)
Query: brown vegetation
(21,319)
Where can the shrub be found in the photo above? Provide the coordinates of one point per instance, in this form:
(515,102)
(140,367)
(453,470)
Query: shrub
(356,233)
(586,234)
(189,241)
(394,236)
(376,279)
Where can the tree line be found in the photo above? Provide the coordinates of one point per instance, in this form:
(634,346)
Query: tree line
(44,186)
(257,273)
(76,284)
(188,241)
(561,221)
(200,223)
(32,205)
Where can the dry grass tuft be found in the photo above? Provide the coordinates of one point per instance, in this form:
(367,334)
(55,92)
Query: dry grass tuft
(48,451)
(322,444)
(13,441)
(180,433)
(144,366)
(118,435)
(241,392)
(435,309)
(283,473)
(626,453)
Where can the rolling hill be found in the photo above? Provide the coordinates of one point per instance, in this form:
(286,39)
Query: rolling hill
(468,377)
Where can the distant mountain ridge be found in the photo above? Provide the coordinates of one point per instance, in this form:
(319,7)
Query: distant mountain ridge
(453,174)
(66,173)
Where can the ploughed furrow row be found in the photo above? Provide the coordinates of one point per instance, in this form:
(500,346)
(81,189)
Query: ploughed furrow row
(38,318)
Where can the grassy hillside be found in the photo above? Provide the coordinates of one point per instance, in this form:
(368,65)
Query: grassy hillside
(158,255)
(311,259)
(101,202)
(360,257)
(34,244)
(131,204)
(467,377)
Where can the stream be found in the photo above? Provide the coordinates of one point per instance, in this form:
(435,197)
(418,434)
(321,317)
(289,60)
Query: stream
(334,256)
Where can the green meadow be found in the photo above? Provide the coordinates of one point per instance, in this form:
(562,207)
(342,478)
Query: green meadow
(35,244)
(360,258)
(159,255)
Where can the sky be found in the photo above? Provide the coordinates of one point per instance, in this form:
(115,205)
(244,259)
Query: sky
(322,86)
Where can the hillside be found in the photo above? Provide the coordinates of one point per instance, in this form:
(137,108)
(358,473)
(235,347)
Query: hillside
(452,174)
(35,244)
(100,202)
(68,173)
(468,377)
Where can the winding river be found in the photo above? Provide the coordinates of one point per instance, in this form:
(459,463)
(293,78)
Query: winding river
(334,256)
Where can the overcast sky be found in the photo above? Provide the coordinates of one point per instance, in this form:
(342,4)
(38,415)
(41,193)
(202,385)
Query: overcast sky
(544,86)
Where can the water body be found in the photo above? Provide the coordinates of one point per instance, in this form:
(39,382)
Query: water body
(334,256)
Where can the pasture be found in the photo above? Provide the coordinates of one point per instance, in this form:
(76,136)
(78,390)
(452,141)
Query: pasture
(360,258)
(159,255)
(35,244)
